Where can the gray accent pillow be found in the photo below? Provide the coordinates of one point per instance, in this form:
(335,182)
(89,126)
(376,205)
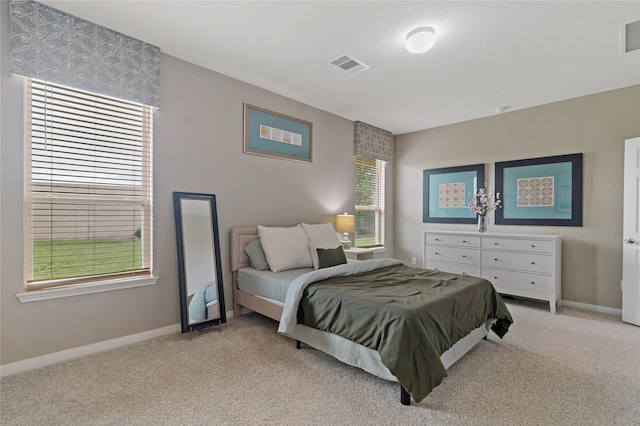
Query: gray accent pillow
(256,255)
(331,257)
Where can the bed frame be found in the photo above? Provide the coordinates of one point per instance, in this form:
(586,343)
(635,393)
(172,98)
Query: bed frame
(240,237)
(365,358)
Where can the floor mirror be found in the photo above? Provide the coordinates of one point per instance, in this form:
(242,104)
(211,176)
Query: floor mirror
(199,272)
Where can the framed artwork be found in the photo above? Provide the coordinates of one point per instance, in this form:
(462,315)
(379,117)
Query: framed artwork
(447,191)
(543,191)
(272,134)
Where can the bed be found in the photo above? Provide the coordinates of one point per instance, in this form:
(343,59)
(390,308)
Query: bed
(297,299)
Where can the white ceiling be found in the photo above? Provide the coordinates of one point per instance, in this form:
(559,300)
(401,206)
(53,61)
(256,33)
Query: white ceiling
(488,54)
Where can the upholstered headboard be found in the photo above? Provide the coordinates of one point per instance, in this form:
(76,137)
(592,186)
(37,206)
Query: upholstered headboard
(240,237)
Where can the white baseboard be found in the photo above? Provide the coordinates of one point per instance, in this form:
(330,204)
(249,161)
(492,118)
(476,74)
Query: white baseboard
(69,354)
(595,308)
(94,348)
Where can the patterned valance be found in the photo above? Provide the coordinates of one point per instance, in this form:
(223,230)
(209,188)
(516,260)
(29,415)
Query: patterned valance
(373,142)
(51,45)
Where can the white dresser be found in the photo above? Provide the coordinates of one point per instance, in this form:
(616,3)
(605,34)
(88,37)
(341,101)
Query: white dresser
(516,264)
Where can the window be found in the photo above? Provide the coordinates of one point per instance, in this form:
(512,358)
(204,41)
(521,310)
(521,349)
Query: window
(369,201)
(88,187)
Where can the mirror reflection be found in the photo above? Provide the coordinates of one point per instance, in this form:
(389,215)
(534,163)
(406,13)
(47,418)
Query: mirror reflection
(201,291)
(199,268)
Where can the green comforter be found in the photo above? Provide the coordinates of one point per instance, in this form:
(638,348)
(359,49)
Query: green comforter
(409,315)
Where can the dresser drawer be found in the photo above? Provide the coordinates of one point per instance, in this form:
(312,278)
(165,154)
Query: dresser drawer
(452,254)
(527,262)
(518,280)
(452,240)
(535,246)
(522,265)
(454,268)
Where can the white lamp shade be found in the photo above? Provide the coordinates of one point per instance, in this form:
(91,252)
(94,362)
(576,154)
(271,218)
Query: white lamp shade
(420,40)
(345,223)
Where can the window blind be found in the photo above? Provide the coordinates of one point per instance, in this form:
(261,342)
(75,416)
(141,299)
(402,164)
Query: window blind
(88,187)
(369,197)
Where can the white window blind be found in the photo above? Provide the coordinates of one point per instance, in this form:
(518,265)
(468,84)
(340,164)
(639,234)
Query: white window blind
(370,187)
(88,187)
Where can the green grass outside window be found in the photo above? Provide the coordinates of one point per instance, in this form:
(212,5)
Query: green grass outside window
(77,258)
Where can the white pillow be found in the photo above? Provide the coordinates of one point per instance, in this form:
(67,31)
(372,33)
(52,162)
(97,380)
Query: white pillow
(285,248)
(323,236)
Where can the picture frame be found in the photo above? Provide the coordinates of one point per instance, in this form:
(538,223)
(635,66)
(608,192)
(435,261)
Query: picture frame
(545,191)
(447,191)
(271,134)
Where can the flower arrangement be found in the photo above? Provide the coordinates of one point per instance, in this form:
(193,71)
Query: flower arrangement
(483,202)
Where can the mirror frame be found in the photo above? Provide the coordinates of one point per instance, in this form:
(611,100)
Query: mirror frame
(182,284)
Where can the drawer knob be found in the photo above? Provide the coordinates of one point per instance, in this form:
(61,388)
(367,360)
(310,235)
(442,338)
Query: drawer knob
(532,282)
(495,244)
(437,239)
(464,255)
(464,241)
(533,245)
(495,259)
(437,253)
(464,273)
(495,278)
(533,263)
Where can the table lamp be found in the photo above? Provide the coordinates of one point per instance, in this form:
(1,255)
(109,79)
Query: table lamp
(346,224)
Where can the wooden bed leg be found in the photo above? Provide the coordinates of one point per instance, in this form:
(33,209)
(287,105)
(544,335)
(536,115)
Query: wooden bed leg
(297,344)
(405,398)
(237,307)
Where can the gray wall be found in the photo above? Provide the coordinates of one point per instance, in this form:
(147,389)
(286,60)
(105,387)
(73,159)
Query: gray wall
(595,125)
(197,148)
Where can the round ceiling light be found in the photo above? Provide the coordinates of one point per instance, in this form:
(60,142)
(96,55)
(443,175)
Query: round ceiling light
(420,40)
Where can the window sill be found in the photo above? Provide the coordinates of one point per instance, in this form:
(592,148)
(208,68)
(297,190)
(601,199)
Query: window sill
(78,290)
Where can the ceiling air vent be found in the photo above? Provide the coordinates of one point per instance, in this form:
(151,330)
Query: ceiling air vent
(632,36)
(350,65)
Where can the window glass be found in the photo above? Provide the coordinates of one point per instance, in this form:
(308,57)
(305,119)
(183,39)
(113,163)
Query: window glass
(88,187)
(369,197)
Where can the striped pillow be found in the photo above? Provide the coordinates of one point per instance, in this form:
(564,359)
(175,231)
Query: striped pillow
(285,248)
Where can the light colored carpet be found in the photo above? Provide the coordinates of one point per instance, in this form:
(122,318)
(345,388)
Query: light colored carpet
(573,368)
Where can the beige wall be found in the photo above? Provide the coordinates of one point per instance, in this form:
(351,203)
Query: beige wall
(595,125)
(197,148)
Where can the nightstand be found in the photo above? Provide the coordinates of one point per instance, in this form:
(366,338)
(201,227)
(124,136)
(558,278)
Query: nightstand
(363,253)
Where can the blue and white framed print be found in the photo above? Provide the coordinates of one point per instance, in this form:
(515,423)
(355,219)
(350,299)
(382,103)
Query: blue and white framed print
(447,191)
(544,191)
(272,134)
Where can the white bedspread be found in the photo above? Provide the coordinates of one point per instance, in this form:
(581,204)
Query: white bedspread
(288,320)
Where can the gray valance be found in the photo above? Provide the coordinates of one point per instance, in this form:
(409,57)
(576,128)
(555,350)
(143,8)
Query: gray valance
(373,142)
(51,45)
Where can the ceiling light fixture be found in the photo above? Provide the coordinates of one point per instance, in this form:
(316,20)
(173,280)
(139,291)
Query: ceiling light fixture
(420,40)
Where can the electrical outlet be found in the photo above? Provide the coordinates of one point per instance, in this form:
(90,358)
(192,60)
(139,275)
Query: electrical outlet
(413,260)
